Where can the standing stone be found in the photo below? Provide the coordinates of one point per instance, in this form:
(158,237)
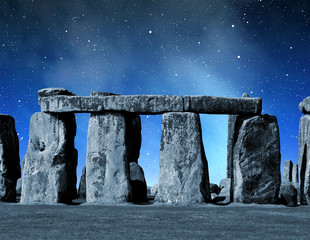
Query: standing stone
(138,183)
(133,130)
(9,159)
(154,190)
(225,191)
(304,159)
(295,173)
(288,194)
(49,171)
(19,187)
(82,185)
(107,165)
(234,124)
(183,176)
(287,171)
(257,160)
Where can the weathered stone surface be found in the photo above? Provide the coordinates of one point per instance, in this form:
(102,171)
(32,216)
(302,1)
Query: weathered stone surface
(137,182)
(49,172)
(9,159)
(143,104)
(102,94)
(234,123)
(154,190)
(183,176)
(288,194)
(257,159)
(82,185)
(107,165)
(295,178)
(304,106)
(47,92)
(304,159)
(287,171)
(214,188)
(19,187)
(58,104)
(225,191)
(232,134)
(222,105)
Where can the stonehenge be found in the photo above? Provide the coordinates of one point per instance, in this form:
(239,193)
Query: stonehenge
(112,174)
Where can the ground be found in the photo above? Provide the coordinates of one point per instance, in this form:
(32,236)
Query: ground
(155,221)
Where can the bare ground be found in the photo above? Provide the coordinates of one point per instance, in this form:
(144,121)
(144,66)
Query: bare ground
(155,221)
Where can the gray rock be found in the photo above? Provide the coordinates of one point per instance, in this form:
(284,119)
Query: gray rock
(137,182)
(234,123)
(49,174)
(232,134)
(222,105)
(60,104)
(9,159)
(287,171)
(295,173)
(214,188)
(102,94)
(82,185)
(225,191)
(304,106)
(183,176)
(47,92)
(107,165)
(304,159)
(217,199)
(154,190)
(19,187)
(257,159)
(288,194)
(143,104)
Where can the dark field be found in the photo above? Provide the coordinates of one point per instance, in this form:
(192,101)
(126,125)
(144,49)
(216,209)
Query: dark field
(153,222)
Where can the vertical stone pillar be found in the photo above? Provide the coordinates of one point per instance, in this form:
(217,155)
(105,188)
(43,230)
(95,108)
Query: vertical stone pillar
(257,157)
(304,159)
(9,159)
(107,165)
(49,166)
(49,172)
(234,124)
(295,174)
(287,171)
(183,176)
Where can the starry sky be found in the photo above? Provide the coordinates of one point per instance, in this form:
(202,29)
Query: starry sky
(175,47)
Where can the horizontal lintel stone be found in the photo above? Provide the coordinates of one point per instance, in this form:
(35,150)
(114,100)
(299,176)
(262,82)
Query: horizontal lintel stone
(143,104)
(222,105)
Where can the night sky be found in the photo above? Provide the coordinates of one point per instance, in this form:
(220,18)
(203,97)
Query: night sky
(174,47)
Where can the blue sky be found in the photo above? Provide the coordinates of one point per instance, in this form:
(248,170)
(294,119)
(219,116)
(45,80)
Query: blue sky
(199,47)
